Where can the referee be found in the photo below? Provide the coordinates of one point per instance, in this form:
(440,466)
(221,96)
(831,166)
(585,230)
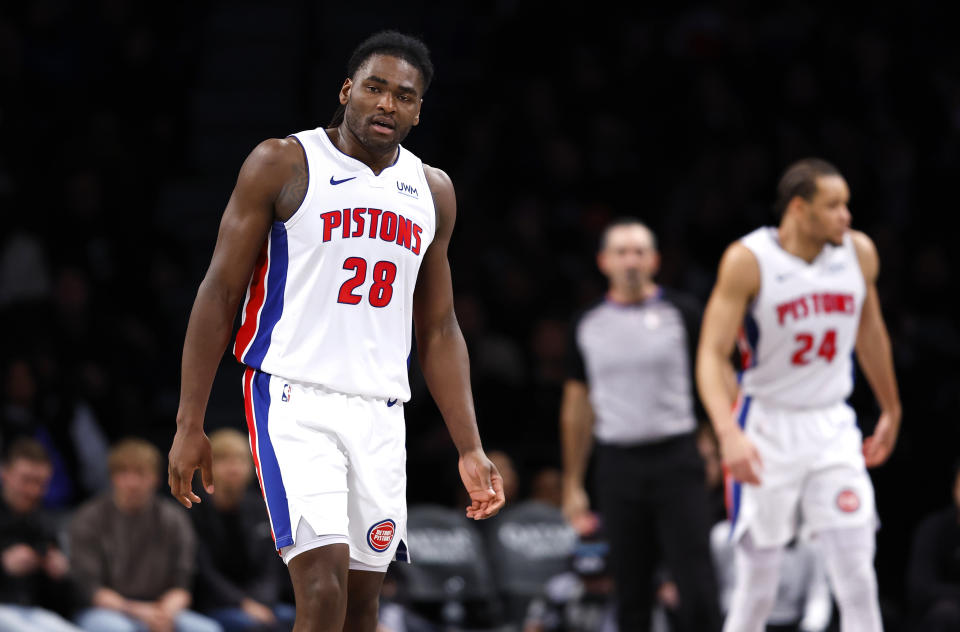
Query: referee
(629,387)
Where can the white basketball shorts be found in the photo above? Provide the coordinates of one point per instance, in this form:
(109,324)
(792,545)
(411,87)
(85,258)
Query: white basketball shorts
(813,476)
(337,461)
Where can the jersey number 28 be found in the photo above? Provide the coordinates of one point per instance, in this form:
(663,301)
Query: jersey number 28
(384,274)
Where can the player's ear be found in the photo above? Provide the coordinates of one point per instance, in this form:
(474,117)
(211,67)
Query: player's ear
(416,118)
(797,204)
(345,91)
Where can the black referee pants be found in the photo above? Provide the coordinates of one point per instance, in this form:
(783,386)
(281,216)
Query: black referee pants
(653,501)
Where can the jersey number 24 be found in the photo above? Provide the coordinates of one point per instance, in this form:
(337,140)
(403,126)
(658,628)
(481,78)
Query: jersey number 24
(826,349)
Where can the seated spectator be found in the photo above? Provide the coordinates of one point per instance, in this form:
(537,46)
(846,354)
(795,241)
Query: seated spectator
(803,601)
(34,580)
(40,408)
(581,599)
(240,576)
(508,471)
(134,553)
(933,576)
(547,486)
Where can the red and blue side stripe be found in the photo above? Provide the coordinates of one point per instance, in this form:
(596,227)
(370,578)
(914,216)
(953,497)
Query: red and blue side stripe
(747,339)
(733,487)
(256,397)
(264,304)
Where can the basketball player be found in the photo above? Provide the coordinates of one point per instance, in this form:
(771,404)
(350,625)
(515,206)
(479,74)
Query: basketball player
(802,298)
(338,238)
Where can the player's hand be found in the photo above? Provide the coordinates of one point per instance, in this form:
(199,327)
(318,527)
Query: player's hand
(484,484)
(878,446)
(190,450)
(740,456)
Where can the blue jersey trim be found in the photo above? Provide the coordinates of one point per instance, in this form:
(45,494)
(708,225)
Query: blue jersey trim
(737,485)
(273,302)
(273,490)
(752,332)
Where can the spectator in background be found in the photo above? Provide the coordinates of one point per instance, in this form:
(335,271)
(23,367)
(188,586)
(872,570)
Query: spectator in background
(39,407)
(35,587)
(933,576)
(547,486)
(581,599)
(240,577)
(26,415)
(133,553)
(511,480)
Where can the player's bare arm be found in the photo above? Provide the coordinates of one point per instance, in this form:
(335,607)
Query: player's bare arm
(876,357)
(576,434)
(443,356)
(738,281)
(271,185)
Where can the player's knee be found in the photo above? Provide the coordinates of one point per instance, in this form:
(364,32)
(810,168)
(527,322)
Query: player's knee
(323,593)
(853,579)
(759,600)
(756,592)
(855,588)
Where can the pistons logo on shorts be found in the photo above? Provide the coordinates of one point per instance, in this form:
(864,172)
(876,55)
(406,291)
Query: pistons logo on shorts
(381,534)
(848,501)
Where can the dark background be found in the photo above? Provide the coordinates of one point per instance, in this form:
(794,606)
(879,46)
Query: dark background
(123,125)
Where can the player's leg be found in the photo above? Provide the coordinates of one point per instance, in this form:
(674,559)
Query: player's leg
(839,508)
(848,556)
(376,505)
(757,574)
(302,469)
(319,578)
(363,600)
(765,516)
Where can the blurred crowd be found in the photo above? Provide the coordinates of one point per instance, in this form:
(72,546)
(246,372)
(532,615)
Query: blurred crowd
(123,124)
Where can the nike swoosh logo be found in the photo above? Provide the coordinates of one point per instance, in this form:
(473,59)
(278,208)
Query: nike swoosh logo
(336,182)
(391,402)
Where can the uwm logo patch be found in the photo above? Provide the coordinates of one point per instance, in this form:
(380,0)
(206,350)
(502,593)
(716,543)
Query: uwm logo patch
(406,189)
(381,535)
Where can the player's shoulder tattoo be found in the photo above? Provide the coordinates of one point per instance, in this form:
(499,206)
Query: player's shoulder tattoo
(294,189)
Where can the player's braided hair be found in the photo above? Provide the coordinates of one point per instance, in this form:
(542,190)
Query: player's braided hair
(800,179)
(395,44)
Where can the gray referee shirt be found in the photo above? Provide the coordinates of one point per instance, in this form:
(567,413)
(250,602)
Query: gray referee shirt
(637,361)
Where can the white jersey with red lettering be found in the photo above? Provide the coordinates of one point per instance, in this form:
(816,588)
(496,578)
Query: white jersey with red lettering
(330,301)
(799,333)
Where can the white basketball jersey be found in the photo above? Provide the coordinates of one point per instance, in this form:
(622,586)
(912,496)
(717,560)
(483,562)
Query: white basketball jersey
(330,301)
(798,336)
